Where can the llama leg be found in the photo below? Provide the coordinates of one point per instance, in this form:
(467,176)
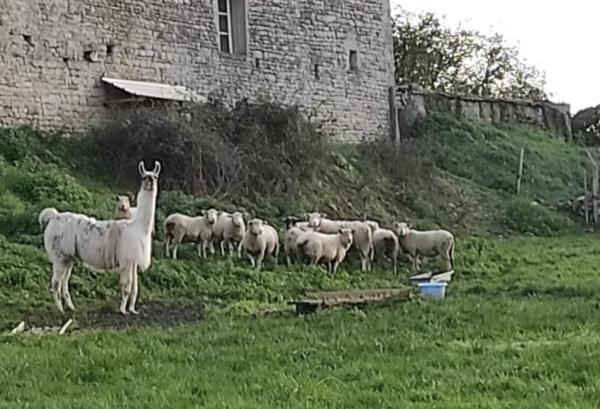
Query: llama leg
(58,268)
(125,287)
(65,287)
(134,290)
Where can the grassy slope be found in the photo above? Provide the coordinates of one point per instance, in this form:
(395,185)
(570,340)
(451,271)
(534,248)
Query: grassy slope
(516,327)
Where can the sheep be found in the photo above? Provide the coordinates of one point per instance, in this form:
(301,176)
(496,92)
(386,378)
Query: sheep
(260,240)
(325,248)
(429,243)
(106,245)
(385,243)
(229,230)
(123,209)
(294,228)
(363,237)
(179,228)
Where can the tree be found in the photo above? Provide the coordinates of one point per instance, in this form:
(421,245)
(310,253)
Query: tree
(461,61)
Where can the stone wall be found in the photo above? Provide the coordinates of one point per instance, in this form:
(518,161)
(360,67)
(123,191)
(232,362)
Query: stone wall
(53,54)
(413,102)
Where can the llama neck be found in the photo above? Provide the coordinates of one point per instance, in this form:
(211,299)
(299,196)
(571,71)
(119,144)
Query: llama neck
(146,207)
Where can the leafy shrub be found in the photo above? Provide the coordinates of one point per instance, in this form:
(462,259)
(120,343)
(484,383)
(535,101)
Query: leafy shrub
(209,150)
(523,216)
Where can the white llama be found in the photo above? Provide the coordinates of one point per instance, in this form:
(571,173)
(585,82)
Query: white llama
(105,245)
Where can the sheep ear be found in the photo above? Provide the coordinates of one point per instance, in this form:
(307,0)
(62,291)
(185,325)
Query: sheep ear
(203,212)
(409,225)
(247,216)
(353,231)
(340,231)
(117,197)
(219,213)
(305,215)
(141,168)
(323,215)
(265,222)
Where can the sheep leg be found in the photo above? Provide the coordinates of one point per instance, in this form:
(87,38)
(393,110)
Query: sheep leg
(58,271)
(167,241)
(65,287)
(416,261)
(276,252)
(134,290)
(260,258)
(222,244)
(230,246)
(252,261)
(334,266)
(201,249)
(364,262)
(126,277)
(211,247)
(239,249)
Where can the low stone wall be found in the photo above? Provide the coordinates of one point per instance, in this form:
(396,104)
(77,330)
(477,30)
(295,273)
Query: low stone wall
(412,102)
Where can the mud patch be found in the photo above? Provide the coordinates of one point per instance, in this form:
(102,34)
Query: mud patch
(151,314)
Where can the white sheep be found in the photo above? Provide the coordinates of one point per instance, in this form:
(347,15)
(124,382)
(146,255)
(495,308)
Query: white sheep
(429,243)
(179,228)
(229,230)
(363,236)
(294,228)
(259,241)
(123,209)
(103,244)
(325,248)
(385,243)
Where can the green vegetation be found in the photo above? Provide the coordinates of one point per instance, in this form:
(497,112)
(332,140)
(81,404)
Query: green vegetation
(517,326)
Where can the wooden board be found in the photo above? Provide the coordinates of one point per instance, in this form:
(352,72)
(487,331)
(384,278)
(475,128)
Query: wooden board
(312,301)
(442,276)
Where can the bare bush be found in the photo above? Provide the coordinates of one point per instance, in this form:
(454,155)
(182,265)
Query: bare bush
(209,150)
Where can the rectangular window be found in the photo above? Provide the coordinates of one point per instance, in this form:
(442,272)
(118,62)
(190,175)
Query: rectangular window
(231,26)
(353,60)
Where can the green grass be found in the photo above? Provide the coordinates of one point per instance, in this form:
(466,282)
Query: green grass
(518,326)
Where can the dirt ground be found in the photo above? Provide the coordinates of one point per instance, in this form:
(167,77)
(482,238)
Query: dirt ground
(152,313)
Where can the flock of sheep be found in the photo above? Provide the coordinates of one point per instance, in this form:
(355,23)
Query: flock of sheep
(125,243)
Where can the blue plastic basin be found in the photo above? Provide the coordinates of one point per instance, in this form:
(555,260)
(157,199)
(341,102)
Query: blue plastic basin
(432,289)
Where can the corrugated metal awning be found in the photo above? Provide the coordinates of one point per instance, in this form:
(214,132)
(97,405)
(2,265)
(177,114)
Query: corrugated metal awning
(154,90)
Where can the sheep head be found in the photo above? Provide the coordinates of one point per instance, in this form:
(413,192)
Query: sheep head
(237,219)
(123,203)
(210,215)
(255,227)
(315,219)
(346,237)
(402,229)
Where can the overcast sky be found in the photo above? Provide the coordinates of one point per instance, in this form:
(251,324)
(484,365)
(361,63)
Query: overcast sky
(560,38)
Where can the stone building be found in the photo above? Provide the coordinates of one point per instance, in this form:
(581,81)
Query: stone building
(64,63)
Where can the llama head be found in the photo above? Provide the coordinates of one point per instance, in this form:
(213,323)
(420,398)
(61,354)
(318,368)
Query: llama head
(149,178)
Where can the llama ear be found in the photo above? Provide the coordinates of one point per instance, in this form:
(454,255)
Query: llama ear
(142,168)
(156,170)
